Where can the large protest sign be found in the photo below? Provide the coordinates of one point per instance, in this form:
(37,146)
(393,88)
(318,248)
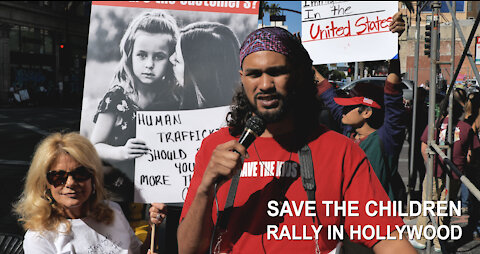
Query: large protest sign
(164,174)
(172,62)
(477,50)
(348,31)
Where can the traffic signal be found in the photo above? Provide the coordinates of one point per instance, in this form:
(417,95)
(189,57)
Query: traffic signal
(62,56)
(428,39)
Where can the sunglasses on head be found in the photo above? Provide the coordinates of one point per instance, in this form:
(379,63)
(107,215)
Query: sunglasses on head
(57,178)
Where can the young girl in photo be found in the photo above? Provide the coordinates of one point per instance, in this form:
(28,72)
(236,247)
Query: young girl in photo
(144,80)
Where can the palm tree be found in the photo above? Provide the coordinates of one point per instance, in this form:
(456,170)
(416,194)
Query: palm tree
(262,9)
(274,9)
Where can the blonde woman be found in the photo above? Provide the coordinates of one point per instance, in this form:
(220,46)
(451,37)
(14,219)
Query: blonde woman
(63,206)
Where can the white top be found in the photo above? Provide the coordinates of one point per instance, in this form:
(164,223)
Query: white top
(86,236)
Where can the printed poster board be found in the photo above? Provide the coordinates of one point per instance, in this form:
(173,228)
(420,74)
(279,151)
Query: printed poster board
(138,70)
(175,137)
(477,50)
(348,31)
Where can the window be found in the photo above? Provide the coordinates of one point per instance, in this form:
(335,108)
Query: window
(31,40)
(14,38)
(429,19)
(48,40)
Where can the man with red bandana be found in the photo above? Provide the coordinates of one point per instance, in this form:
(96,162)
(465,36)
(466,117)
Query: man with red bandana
(278,86)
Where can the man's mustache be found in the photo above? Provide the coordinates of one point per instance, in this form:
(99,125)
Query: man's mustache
(273,95)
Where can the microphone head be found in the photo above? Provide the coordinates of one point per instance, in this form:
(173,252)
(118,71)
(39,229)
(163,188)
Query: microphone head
(255,124)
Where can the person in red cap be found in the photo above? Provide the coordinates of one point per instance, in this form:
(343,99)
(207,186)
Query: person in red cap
(378,129)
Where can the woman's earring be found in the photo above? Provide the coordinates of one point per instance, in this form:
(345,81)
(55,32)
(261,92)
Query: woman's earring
(163,77)
(48,196)
(93,189)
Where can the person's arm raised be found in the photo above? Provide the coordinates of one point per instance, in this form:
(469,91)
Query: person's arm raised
(392,132)
(195,231)
(326,93)
(396,26)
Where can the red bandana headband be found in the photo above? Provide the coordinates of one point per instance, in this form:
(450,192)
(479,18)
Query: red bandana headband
(273,39)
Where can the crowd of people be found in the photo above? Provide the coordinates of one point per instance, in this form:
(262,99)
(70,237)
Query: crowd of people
(465,145)
(65,207)
(45,92)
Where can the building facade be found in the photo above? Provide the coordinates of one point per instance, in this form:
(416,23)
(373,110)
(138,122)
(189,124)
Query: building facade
(466,12)
(42,43)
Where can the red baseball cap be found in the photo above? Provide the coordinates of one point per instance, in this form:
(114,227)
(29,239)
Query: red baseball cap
(357,101)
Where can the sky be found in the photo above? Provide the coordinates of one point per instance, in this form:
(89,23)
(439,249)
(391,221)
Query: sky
(293,20)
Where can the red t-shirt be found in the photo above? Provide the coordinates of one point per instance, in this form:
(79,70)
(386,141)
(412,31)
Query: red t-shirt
(462,141)
(342,172)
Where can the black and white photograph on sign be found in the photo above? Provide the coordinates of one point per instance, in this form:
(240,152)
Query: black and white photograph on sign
(153,60)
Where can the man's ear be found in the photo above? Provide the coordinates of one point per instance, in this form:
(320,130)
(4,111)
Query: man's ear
(367,113)
(241,76)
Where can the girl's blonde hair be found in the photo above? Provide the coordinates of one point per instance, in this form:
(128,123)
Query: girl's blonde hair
(152,22)
(36,208)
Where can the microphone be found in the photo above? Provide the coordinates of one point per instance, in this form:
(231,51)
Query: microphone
(253,128)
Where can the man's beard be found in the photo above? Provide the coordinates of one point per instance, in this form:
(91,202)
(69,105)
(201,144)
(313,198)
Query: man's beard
(277,115)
